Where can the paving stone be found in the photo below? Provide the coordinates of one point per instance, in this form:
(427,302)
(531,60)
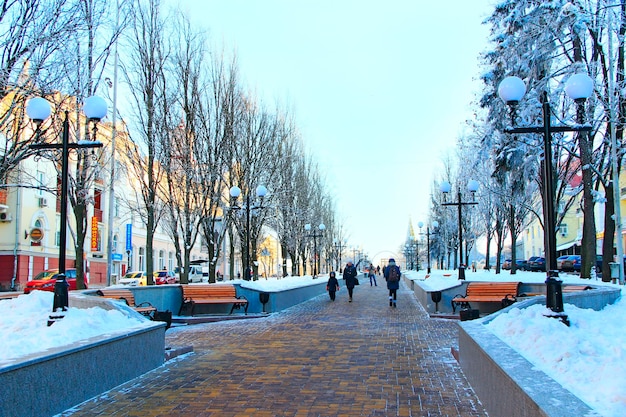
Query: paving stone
(319,358)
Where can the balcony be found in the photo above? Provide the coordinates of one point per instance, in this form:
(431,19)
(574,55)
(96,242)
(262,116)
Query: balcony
(98,214)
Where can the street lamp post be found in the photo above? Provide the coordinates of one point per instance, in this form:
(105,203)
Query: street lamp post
(38,110)
(235,192)
(472,186)
(435,224)
(315,235)
(416,253)
(339,246)
(579,87)
(407,255)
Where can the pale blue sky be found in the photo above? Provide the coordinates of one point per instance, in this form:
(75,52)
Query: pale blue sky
(380,91)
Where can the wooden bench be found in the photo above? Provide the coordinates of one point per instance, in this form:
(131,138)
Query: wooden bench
(505,293)
(9,295)
(212,294)
(564,289)
(129,298)
(576,288)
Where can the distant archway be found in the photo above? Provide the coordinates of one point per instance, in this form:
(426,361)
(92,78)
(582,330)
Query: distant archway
(380,258)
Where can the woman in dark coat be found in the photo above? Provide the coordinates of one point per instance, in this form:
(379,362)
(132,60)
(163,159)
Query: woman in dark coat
(349,274)
(333,285)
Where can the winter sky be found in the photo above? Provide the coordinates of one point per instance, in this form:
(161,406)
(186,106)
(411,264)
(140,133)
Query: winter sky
(380,91)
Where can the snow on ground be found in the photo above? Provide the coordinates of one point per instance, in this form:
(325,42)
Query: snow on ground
(588,358)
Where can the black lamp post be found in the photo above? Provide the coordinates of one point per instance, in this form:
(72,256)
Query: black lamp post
(472,186)
(407,255)
(38,109)
(415,251)
(315,235)
(579,87)
(435,224)
(235,192)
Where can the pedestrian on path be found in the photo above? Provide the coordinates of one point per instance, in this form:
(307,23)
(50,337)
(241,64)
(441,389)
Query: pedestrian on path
(349,274)
(392,275)
(372,275)
(333,285)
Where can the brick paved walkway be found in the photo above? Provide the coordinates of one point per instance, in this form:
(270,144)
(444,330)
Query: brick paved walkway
(320,358)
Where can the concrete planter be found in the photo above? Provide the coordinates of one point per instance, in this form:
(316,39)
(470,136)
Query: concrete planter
(47,383)
(506,383)
(281,300)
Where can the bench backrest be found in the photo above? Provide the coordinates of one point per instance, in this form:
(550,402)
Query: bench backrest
(493,288)
(119,294)
(209,291)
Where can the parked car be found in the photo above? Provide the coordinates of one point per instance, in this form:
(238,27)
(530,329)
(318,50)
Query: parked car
(134,278)
(522,264)
(570,263)
(44,281)
(559,262)
(164,277)
(506,264)
(537,263)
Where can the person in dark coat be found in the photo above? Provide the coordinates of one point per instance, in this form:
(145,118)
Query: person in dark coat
(333,285)
(392,276)
(349,274)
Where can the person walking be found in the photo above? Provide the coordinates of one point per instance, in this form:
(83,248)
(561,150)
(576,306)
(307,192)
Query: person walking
(333,285)
(349,274)
(392,276)
(372,275)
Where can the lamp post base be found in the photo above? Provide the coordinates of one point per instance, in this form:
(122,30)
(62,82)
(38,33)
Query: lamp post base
(554,297)
(61,300)
(560,316)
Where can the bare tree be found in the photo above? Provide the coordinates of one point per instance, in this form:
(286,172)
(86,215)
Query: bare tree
(146,78)
(32,56)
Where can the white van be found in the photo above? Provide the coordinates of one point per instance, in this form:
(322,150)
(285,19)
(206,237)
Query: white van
(195,273)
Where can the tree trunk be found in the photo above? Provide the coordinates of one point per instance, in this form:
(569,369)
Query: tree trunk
(609,232)
(513,231)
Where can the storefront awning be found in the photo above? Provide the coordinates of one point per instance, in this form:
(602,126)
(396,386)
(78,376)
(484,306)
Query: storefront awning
(568,245)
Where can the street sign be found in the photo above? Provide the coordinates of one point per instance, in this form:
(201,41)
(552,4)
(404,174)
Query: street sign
(129,237)
(36,234)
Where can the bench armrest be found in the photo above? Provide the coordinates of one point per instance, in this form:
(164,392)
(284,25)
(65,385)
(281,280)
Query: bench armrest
(145,304)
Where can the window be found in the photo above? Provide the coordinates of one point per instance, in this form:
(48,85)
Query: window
(41,183)
(115,239)
(142,259)
(97,204)
(563,229)
(170,261)
(161,259)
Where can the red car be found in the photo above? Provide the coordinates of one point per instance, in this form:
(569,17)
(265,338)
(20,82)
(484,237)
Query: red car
(44,281)
(164,277)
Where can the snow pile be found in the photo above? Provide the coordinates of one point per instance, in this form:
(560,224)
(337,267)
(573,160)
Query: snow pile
(588,358)
(24,322)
